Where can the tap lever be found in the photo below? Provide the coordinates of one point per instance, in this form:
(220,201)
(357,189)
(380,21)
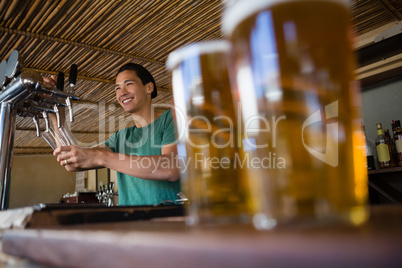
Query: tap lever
(110,194)
(70,109)
(72,77)
(56,110)
(31,105)
(60,81)
(23,112)
(40,98)
(36,122)
(44,114)
(40,87)
(72,80)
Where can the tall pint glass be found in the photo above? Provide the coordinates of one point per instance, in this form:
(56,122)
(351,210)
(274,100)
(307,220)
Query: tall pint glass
(204,112)
(293,67)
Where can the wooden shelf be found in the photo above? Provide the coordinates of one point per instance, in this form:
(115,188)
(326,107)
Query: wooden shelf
(385,170)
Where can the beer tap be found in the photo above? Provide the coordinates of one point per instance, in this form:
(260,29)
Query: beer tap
(36,122)
(99,194)
(72,80)
(57,112)
(46,100)
(112,186)
(70,109)
(104,195)
(45,116)
(110,202)
(60,81)
(24,93)
(30,105)
(60,87)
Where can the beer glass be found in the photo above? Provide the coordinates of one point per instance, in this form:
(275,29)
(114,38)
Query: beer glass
(293,70)
(49,137)
(205,119)
(58,136)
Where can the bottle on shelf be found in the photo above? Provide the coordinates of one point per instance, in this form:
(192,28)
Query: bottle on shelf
(393,148)
(369,151)
(383,147)
(398,142)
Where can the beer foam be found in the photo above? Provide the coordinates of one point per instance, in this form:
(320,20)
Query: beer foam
(195,49)
(241,10)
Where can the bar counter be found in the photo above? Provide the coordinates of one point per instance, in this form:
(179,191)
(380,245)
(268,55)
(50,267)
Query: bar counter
(168,242)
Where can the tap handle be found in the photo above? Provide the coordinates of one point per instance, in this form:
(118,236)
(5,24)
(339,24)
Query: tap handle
(36,122)
(45,116)
(72,78)
(60,81)
(70,109)
(56,110)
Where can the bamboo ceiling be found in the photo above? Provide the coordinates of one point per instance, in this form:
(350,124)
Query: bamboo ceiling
(100,36)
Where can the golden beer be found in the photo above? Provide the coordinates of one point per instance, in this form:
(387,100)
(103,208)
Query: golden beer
(293,68)
(206,122)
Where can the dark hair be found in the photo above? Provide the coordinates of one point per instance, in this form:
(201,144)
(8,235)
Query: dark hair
(142,74)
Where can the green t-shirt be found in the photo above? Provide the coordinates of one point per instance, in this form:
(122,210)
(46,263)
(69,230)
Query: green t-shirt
(147,140)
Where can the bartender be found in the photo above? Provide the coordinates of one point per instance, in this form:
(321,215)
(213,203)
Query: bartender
(144,155)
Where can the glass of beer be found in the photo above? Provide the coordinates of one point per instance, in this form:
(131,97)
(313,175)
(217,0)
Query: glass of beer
(206,125)
(293,73)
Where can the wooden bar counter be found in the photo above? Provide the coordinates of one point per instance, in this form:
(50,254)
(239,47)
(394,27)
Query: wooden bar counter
(168,242)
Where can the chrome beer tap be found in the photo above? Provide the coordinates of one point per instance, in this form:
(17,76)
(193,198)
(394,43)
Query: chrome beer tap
(45,116)
(56,111)
(99,194)
(60,87)
(72,80)
(104,195)
(110,202)
(23,93)
(36,122)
